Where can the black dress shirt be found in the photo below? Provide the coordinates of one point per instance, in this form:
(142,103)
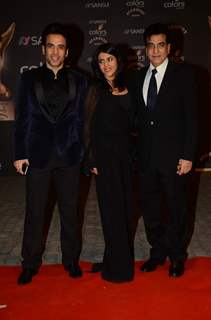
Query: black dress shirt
(55,91)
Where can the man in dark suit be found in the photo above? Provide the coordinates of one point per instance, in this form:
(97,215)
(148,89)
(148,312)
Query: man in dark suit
(165,103)
(48,141)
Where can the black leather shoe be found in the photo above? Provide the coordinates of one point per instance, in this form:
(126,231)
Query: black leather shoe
(176,269)
(151,265)
(74,270)
(96,267)
(26,276)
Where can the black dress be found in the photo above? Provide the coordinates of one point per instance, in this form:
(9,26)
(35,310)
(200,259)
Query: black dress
(109,128)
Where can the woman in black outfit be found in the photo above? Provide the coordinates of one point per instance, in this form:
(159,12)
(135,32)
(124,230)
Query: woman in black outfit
(107,130)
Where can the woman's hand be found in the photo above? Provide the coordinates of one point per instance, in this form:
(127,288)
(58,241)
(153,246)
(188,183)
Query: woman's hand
(95,171)
(184,166)
(19,165)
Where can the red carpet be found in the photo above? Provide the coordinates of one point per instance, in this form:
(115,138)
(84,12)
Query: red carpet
(153,296)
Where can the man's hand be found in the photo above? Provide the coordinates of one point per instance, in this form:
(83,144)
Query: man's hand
(184,166)
(18,164)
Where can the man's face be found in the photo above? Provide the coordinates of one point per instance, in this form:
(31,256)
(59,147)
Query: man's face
(157,49)
(55,51)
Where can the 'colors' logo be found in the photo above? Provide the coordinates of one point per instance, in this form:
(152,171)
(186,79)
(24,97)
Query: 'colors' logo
(176,4)
(98,35)
(135,8)
(25,68)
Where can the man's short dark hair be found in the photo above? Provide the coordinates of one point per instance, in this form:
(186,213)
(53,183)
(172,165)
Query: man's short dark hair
(155,29)
(55,28)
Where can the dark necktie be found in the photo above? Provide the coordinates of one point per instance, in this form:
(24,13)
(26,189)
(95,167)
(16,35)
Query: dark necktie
(152,91)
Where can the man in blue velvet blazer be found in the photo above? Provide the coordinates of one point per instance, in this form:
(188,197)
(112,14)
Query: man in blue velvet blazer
(164,95)
(48,142)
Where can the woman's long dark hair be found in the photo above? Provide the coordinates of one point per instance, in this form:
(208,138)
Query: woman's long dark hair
(113,50)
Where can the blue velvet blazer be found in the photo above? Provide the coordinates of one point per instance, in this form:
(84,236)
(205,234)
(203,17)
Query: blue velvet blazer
(36,135)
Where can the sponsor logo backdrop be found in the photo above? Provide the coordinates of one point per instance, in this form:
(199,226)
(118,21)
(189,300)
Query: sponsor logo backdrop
(92,23)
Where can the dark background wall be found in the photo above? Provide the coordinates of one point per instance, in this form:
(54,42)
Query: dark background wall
(92,23)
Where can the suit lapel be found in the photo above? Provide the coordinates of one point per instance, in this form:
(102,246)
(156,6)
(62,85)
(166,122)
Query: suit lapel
(166,82)
(71,86)
(39,92)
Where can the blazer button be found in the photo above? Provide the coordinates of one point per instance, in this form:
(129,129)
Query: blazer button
(152,123)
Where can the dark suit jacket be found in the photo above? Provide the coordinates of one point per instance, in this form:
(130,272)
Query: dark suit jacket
(170,131)
(36,135)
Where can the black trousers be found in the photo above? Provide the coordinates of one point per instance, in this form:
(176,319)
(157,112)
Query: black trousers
(166,235)
(113,185)
(66,183)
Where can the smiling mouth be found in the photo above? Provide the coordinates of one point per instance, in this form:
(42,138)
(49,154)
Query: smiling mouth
(54,60)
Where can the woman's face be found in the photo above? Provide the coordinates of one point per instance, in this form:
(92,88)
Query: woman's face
(108,65)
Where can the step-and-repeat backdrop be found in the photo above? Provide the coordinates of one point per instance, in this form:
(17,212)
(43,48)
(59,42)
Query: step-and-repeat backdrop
(91,23)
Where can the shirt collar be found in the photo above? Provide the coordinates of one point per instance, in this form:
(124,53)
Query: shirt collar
(161,68)
(50,72)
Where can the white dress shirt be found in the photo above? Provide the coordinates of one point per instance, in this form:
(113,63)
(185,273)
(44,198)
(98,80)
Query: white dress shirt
(161,69)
